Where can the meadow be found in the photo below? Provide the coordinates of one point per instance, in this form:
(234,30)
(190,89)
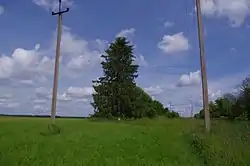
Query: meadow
(173,142)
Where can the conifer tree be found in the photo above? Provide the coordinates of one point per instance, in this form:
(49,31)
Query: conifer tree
(115,90)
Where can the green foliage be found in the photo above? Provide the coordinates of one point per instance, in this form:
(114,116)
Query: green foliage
(172,114)
(199,148)
(227,144)
(231,106)
(143,105)
(117,94)
(139,142)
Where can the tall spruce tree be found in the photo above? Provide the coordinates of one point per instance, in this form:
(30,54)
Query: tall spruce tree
(115,90)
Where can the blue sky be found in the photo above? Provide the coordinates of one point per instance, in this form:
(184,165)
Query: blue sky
(166,46)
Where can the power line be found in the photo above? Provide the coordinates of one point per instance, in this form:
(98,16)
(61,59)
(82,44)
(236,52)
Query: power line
(55,81)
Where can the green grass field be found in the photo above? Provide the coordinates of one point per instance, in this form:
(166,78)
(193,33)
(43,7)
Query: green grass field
(143,142)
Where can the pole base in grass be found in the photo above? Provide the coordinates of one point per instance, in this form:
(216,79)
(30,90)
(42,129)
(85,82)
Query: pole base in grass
(53,130)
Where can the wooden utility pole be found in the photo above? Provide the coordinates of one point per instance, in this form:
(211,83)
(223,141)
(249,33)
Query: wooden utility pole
(55,82)
(203,67)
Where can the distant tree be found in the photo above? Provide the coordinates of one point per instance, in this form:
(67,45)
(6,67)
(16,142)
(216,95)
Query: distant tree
(172,114)
(200,115)
(237,111)
(244,97)
(230,105)
(143,105)
(158,107)
(115,90)
(116,93)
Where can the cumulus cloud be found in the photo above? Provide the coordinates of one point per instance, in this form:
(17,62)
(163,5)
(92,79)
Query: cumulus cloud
(30,66)
(213,95)
(189,98)
(27,82)
(174,43)
(193,78)
(42,92)
(78,63)
(156,90)
(1,9)
(140,60)
(6,97)
(168,24)
(24,64)
(71,92)
(126,32)
(235,10)
(10,105)
(77,92)
(34,68)
(52,4)
(77,52)
(39,101)
(8,101)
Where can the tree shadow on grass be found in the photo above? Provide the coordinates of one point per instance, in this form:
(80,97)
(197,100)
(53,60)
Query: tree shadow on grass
(52,130)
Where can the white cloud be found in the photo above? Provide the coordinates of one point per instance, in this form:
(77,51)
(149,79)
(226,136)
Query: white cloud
(8,101)
(39,101)
(174,43)
(6,96)
(126,32)
(154,90)
(77,92)
(63,97)
(11,105)
(35,65)
(141,61)
(27,82)
(26,67)
(42,93)
(168,24)
(24,64)
(53,4)
(213,95)
(193,78)
(183,98)
(25,58)
(78,63)
(1,9)
(235,10)
(77,52)
(233,49)
(6,66)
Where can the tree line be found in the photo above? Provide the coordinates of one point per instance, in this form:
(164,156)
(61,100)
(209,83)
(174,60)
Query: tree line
(231,106)
(116,93)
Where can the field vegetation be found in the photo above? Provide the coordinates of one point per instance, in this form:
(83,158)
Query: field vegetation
(129,127)
(162,141)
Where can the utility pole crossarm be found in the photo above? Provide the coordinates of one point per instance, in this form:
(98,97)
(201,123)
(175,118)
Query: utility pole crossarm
(61,12)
